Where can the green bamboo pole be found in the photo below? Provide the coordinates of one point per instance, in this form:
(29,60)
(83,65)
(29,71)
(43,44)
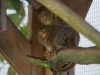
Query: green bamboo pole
(72,19)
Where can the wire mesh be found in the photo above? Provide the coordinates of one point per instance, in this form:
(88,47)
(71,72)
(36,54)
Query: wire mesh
(4,68)
(93,18)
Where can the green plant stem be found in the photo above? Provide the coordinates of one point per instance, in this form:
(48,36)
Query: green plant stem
(38,61)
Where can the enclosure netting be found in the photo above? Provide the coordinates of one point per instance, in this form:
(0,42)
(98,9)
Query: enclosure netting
(93,18)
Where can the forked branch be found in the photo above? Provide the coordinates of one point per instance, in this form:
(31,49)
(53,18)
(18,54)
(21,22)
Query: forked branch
(90,55)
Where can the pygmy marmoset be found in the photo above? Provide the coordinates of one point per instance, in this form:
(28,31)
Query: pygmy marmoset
(55,38)
(56,35)
(48,18)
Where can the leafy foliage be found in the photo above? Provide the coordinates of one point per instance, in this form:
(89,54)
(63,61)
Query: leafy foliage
(24,30)
(17,17)
(11,71)
(1,59)
(16,5)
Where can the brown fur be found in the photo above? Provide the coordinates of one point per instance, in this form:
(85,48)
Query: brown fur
(57,38)
(58,35)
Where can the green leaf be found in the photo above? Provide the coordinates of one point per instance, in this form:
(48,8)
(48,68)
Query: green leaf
(18,6)
(9,5)
(16,19)
(14,4)
(11,71)
(24,30)
(19,16)
(1,59)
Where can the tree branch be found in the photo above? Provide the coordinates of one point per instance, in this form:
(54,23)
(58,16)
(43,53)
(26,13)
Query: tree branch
(38,61)
(72,19)
(90,55)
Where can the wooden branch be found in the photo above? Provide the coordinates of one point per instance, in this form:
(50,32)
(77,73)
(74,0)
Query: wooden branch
(14,47)
(72,19)
(37,48)
(3,18)
(90,55)
(34,3)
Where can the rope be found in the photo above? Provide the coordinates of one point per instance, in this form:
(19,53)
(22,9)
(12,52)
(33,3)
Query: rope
(3,17)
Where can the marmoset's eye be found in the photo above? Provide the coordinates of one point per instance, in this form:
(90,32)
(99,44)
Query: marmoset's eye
(43,13)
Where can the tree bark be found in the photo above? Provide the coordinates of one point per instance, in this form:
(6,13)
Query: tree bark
(79,55)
